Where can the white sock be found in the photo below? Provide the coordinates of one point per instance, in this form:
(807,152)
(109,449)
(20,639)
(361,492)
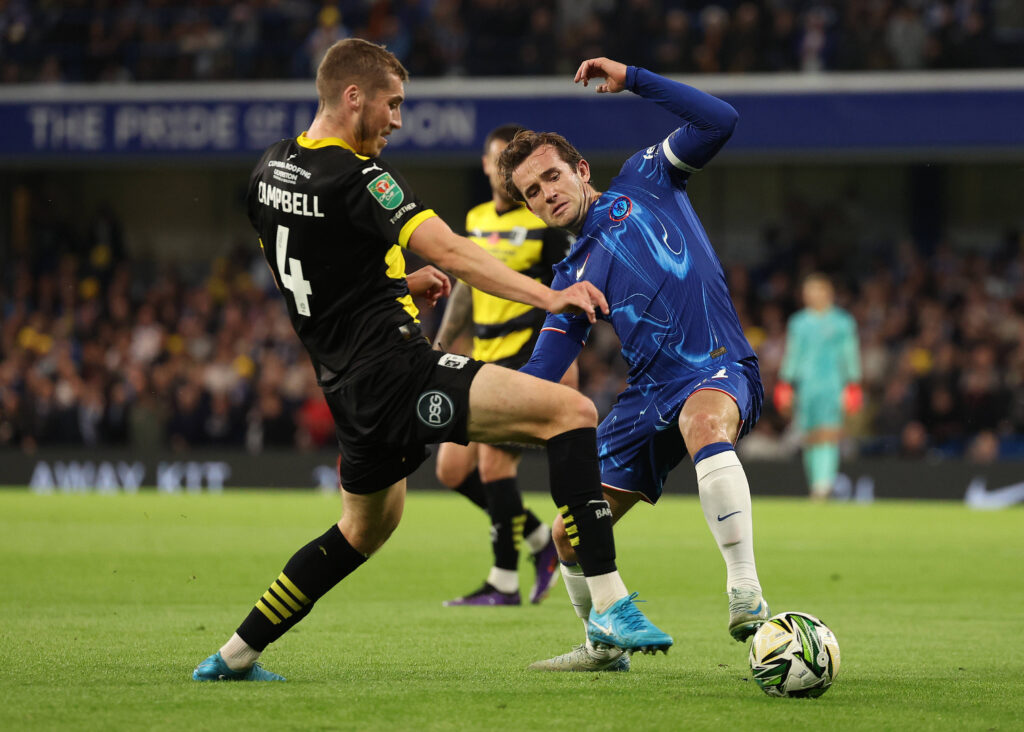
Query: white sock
(606,590)
(238,654)
(725,498)
(538,538)
(503,580)
(579,593)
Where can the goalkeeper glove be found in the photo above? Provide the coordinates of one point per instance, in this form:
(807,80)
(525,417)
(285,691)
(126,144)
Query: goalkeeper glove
(783,397)
(853,398)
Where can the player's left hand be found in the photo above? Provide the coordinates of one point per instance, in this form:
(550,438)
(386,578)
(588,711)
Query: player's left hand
(613,72)
(429,283)
(581,297)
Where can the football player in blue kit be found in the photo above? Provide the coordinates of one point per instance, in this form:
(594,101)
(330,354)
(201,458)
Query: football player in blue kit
(693,385)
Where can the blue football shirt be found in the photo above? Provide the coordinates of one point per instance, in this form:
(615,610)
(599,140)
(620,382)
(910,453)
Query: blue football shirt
(643,245)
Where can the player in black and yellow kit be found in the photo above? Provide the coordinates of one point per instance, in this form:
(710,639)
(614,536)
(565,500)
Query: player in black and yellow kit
(504,332)
(329,213)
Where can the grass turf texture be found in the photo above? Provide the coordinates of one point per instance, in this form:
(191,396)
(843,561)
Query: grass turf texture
(109,603)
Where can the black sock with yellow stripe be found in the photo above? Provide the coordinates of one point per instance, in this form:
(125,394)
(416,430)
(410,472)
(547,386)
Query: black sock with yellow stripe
(311,572)
(576,489)
(505,507)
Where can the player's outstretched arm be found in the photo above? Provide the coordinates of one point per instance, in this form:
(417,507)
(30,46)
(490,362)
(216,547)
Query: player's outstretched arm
(708,121)
(435,241)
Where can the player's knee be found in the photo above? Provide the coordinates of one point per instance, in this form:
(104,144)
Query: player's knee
(702,428)
(367,537)
(448,475)
(577,412)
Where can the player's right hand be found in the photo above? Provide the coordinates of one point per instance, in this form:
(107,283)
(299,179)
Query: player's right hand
(613,72)
(581,297)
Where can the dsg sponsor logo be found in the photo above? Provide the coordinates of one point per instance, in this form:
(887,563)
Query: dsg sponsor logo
(435,409)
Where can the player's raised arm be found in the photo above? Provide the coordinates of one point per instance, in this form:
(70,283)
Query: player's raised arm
(434,240)
(709,121)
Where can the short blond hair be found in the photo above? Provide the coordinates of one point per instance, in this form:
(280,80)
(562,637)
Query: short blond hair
(355,61)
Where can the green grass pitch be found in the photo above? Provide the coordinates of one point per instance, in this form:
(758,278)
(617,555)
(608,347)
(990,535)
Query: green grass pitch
(109,602)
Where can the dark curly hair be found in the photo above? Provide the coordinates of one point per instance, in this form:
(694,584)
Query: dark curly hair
(523,146)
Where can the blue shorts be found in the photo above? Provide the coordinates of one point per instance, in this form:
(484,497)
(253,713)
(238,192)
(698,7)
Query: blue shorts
(639,442)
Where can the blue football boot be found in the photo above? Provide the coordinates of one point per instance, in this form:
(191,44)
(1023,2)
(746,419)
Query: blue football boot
(214,669)
(624,626)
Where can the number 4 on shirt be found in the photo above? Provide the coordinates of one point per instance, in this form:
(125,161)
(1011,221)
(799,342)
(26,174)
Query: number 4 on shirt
(291,278)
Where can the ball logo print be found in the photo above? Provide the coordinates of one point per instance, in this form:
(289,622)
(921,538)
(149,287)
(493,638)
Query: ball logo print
(435,409)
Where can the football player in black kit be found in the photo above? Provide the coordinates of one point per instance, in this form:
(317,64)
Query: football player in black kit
(332,217)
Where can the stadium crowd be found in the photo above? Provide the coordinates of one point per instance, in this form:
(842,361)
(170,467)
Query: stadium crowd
(97,349)
(157,40)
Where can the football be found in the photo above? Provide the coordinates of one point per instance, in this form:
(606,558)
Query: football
(794,654)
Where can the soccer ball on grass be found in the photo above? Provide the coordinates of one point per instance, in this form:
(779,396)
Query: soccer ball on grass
(794,654)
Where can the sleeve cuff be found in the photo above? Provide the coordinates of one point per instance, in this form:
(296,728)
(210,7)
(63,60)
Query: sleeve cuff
(631,77)
(410,226)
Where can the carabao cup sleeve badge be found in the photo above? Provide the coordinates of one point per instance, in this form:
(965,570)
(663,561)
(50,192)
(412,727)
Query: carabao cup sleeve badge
(387,192)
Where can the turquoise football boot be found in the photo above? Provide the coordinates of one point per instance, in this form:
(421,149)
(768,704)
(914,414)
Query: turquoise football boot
(624,626)
(214,669)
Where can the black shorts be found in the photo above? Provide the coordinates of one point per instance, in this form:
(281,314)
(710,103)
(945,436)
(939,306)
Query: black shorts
(385,415)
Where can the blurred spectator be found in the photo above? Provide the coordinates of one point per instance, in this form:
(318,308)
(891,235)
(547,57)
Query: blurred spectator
(984,448)
(329,30)
(906,38)
(96,40)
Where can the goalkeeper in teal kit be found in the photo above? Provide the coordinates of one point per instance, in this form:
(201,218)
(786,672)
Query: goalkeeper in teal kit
(821,369)
(693,385)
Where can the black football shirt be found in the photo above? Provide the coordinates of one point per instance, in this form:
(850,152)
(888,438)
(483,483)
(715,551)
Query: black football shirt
(332,224)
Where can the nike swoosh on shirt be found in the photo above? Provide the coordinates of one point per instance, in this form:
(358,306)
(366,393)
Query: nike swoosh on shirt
(723,518)
(579,271)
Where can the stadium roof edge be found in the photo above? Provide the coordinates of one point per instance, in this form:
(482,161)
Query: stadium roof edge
(525,87)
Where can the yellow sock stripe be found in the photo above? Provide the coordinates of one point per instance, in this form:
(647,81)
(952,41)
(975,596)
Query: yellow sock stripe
(290,586)
(563,509)
(271,616)
(284,612)
(567,519)
(518,523)
(574,541)
(285,595)
(571,530)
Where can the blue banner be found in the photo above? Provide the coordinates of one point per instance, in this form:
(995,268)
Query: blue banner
(918,123)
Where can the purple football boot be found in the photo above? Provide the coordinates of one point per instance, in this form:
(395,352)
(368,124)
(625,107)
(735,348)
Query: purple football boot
(546,563)
(486,596)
